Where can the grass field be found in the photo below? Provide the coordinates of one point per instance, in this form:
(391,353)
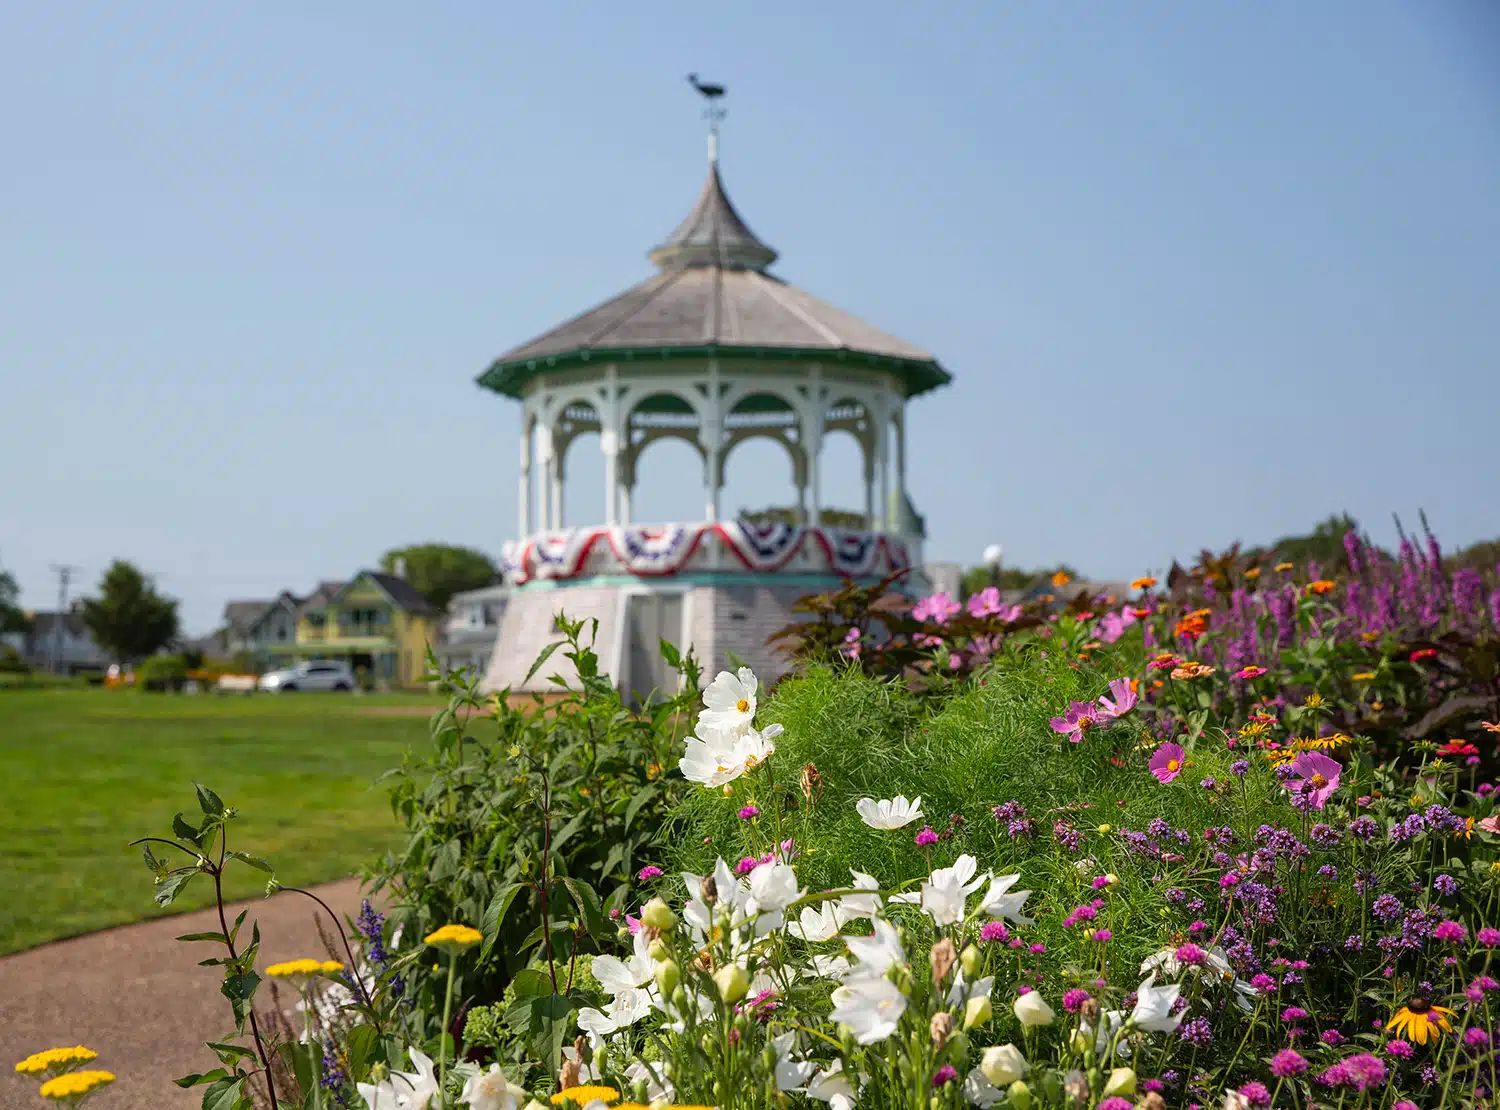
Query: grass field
(85,771)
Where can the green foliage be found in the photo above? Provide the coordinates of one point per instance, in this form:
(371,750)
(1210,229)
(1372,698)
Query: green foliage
(129,619)
(11,661)
(1324,545)
(12,618)
(528,821)
(790,514)
(162,673)
(439,570)
(1010,578)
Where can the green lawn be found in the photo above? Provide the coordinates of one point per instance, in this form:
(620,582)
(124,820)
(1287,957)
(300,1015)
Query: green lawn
(85,771)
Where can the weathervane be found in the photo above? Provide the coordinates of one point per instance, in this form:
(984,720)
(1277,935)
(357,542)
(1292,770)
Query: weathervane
(713,113)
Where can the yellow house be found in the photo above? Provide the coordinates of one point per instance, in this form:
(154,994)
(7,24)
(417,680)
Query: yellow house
(377,623)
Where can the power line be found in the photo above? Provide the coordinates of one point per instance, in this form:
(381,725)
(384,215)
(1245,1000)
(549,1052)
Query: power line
(64,574)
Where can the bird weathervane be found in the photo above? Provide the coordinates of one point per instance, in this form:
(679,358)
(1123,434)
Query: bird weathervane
(714,112)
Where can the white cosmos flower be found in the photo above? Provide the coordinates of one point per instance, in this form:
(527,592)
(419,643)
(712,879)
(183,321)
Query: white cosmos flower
(627,1008)
(889,813)
(876,953)
(817,923)
(617,975)
(658,1086)
(490,1090)
(998,902)
(715,756)
(961,991)
(1216,965)
(830,967)
(979,1091)
(1153,1006)
(404,1090)
(948,888)
(870,1007)
(774,886)
(852,906)
(730,701)
(792,1073)
(832,1086)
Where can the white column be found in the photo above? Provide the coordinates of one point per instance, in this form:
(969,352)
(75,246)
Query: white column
(523,500)
(901,496)
(813,414)
(544,485)
(625,504)
(609,443)
(710,433)
(883,469)
(559,477)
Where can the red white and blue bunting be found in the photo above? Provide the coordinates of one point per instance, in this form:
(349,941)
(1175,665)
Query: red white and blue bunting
(666,549)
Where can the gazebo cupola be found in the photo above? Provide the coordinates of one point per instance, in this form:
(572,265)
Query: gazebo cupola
(712,349)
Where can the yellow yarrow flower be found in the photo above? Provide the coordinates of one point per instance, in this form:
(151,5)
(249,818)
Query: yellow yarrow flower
(585,1094)
(304,969)
(1313,701)
(454,938)
(56,1060)
(1363,676)
(75,1084)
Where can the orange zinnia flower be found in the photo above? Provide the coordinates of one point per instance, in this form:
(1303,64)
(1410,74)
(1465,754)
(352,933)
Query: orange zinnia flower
(1283,566)
(1321,586)
(1143,583)
(1061,579)
(1190,669)
(1253,573)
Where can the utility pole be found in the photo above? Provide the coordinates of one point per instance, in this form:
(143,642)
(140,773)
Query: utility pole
(64,574)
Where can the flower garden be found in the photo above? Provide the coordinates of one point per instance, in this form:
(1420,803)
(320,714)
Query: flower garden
(1228,840)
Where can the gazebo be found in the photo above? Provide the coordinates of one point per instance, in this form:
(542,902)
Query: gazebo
(712,349)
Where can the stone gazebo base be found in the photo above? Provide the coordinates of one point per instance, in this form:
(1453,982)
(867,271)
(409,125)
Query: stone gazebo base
(721,587)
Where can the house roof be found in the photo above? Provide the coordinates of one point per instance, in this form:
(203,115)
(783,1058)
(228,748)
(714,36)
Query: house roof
(713,298)
(399,590)
(240,616)
(321,596)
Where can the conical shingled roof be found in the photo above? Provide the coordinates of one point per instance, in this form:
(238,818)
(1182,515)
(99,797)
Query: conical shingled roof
(713,298)
(713,234)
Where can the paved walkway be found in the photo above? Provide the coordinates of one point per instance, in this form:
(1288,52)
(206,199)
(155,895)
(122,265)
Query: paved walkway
(140,1000)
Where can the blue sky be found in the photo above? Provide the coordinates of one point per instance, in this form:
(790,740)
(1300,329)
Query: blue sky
(1201,272)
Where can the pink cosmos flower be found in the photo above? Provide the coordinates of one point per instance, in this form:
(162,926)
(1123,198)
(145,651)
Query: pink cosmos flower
(1080,717)
(937,608)
(1319,777)
(1490,824)
(1113,625)
(1120,700)
(985,602)
(851,647)
(1167,762)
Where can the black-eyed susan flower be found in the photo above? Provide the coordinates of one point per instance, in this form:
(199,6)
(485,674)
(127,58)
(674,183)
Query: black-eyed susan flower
(75,1086)
(585,1094)
(1419,1021)
(454,938)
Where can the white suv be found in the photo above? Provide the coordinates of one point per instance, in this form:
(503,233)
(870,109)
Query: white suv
(316,674)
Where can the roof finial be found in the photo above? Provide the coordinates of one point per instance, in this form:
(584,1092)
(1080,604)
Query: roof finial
(713,113)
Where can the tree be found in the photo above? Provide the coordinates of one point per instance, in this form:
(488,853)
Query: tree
(440,570)
(12,619)
(129,619)
(1324,545)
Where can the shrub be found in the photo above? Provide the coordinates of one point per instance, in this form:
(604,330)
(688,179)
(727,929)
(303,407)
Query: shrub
(162,673)
(520,815)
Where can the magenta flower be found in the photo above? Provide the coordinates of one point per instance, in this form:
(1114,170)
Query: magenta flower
(937,608)
(1255,1094)
(925,837)
(1315,777)
(1120,701)
(1451,931)
(1488,937)
(1401,1050)
(1080,717)
(985,603)
(1252,671)
(1287,1063)
(1113,625)
(648,873)
(1167,762)
(748,812)
(944,1075)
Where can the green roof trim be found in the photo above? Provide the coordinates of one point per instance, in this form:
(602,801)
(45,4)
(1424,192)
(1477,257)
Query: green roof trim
(510,378)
